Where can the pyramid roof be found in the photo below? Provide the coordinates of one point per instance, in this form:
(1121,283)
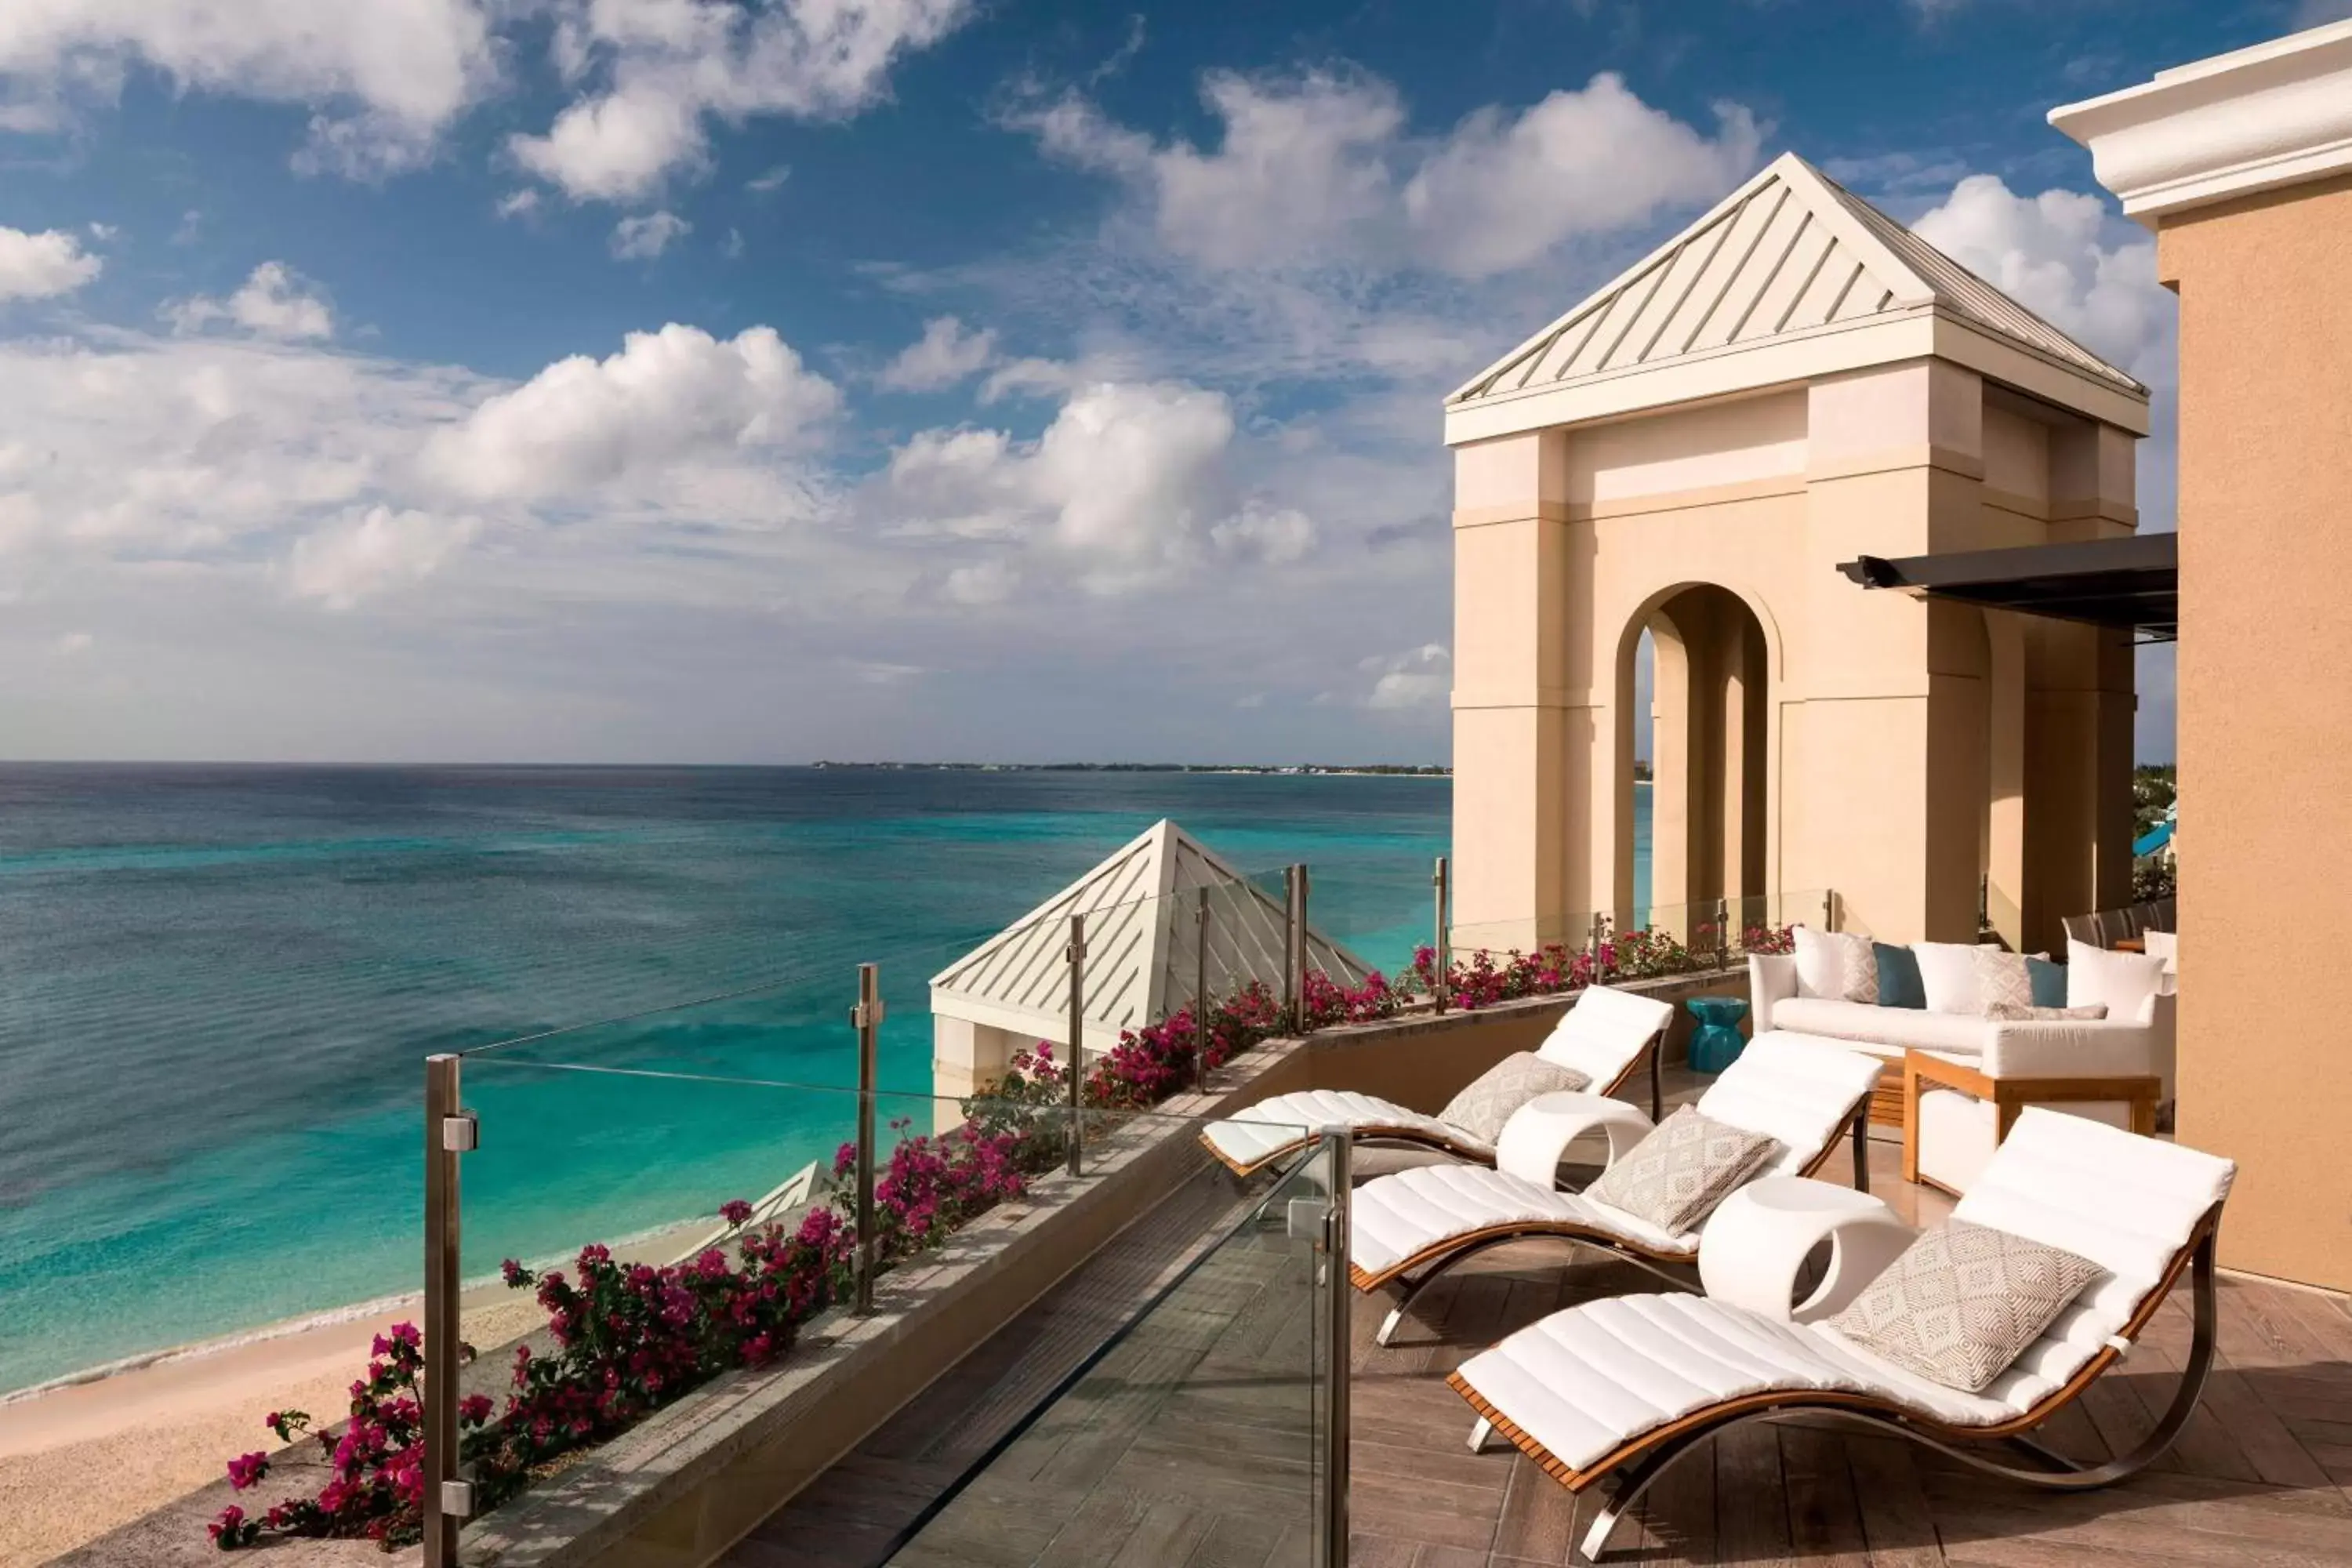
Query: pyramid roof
(1789,276)
(1140,904)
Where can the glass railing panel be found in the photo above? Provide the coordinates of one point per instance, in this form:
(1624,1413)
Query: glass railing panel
(616,1220)
(1217,1386)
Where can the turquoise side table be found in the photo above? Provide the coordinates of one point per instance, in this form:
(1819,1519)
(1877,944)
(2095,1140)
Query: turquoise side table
(1716,1043)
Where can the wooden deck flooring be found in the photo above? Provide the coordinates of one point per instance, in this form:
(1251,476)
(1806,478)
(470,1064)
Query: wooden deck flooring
(1189,1443)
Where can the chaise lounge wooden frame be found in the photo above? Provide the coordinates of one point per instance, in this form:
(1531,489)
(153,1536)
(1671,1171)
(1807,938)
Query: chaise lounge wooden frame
(2001,1448)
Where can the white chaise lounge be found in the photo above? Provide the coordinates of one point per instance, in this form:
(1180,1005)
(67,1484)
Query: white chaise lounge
(1429,1218)
(1618,1390)
(1605,1036)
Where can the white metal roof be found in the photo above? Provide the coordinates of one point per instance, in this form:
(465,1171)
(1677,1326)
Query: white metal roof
(1140,905)
(1789,276)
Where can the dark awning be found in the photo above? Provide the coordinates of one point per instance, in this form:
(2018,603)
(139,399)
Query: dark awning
(2133,583)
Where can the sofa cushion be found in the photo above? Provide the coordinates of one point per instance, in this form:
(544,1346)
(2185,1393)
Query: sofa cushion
(2002,979)
(2023,1012)
(1891,1029)
(2049,982)
(1964,1301)
(1949,972)
(1482,1107)
(1899,977)
(1835,964)
(2126,982)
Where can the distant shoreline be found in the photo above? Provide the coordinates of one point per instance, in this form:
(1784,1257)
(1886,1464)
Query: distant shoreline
(1317,770)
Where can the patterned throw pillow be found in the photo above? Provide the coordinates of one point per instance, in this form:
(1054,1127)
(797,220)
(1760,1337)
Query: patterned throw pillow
(1483,1107)
(2011,1012)
(1675,1176)
(2003,979)
(1839,965)
(1963,1302)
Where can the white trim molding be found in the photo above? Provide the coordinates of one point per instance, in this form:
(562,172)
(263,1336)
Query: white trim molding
(2255,120)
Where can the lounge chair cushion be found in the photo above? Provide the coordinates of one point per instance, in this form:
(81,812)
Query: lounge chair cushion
(1602,1034)
(1255,1132)
(1481,1108)
(1963,1302)
(1584,1381)
(1675,1177)
(1840,965)
(1398,1215)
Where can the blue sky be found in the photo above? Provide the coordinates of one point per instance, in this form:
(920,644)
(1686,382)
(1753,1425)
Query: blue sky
(763,380)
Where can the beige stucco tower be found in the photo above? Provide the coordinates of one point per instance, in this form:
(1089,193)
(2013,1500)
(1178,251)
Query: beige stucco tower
(1794,380)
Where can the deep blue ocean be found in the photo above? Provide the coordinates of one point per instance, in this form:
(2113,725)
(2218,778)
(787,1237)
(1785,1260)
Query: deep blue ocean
(218,985)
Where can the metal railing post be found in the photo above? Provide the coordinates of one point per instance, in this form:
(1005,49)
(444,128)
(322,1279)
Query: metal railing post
(1338,1298)
(866,1019)
(1600,926)
(1290,946)
(1305,953)
(1443,946)
(449,1133)
(1723,933)
(1201,989)
(1076,954)
(1829,910)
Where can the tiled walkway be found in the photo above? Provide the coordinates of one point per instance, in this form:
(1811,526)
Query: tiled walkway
(1190,1443)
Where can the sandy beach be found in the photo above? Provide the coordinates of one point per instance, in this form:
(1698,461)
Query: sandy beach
(82,1458)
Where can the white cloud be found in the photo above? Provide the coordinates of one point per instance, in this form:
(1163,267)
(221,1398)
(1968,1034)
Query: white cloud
(2065,256)
(387,76)
(42,265)
(1275,535)
(368,552)
(1503,190)
(643,237)
(667,397)
(1418,678)
(276,301)
(519,203)
(668,66)
(1322,170)
(946,354)
(982,583)
(1132,483)
(769,183)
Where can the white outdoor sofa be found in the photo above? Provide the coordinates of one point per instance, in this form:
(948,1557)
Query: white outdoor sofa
(1617,1390)
(1605,1035)
(2140,1046)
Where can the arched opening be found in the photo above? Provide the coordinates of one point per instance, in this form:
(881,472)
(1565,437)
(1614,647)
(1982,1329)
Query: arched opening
(1708,747)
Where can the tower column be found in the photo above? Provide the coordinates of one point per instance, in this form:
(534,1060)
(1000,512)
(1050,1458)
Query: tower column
(1524,783)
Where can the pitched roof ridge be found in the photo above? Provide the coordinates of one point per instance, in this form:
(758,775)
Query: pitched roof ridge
(1836,261)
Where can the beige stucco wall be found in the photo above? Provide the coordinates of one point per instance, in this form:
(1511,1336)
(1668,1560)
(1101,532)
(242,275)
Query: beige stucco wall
(1897,749)
(2265,715)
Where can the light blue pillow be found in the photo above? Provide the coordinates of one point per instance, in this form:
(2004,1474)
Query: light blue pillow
(2049,982)
(1899,984)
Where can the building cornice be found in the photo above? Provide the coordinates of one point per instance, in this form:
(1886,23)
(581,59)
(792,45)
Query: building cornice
(2237,124)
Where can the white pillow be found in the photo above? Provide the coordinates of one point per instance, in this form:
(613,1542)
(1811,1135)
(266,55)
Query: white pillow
(1948,974)
(2123,982)
(1839,965)
(2163,944)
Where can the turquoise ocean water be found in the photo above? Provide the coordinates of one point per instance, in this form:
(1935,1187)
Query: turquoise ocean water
(217,985)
